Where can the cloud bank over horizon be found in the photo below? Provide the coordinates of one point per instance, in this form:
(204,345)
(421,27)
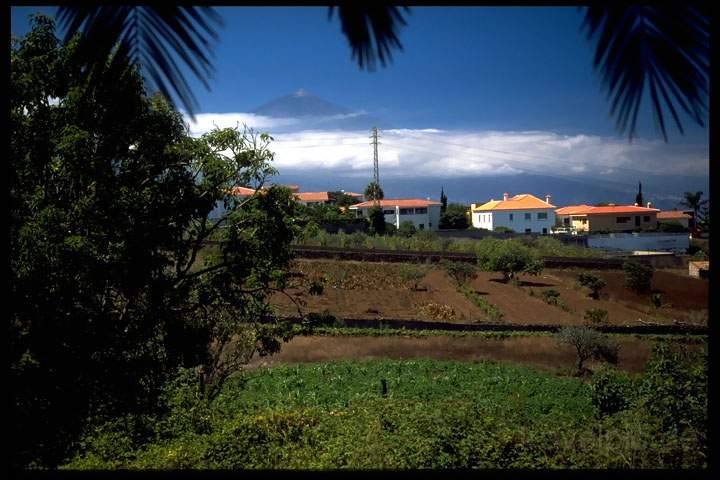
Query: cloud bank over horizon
(436,152)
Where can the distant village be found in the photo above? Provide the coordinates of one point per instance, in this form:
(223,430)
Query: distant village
(519,213)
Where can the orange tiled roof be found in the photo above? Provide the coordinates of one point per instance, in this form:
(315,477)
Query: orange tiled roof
(353,194)
(398,202)
(243,191)
(673,214)
(570,209)
(312,196)
(610,209)
(522,201)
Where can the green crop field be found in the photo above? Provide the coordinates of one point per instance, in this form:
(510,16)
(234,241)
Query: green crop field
(404,414)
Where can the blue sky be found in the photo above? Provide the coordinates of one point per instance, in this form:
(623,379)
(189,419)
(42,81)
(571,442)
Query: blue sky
(464,71)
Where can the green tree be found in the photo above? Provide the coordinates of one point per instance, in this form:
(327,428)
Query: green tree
(377,221)
(373,191)
(588,343)
(461,272)
(639,196)
(593,282)
(693,201)
(638,276)
(455,216)
(443,201)
(110,204)
(510,258)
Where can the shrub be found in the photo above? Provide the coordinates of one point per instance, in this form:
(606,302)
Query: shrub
(638,276)
(551,296)
(438,311)
(596,315)
(377,221)
(588,343)
(656,300)
(491,310)
(671,227)
(412,273)
(502,229)
(461,272)
(407,228)
(612,391)
(595,284)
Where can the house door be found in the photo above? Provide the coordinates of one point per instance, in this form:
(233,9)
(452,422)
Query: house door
(637,221)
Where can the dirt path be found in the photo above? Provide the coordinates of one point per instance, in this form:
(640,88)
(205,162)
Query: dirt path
(537,351)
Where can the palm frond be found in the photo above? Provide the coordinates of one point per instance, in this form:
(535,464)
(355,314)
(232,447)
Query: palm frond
(153,37)
(357,23)
(663,45)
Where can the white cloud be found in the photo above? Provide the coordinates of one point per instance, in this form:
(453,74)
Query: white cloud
(414,153)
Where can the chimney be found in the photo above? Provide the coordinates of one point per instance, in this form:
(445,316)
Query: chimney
(505,196)
(547,198)
(649,205)
(636,204)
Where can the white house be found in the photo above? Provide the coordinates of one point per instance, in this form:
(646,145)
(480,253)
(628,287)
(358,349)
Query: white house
(522,213)
(424,214)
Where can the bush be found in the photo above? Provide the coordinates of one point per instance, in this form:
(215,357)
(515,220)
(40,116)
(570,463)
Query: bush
(671,227)
(377,221)
(412,273)
(595,284)
(596,315)
(638,276)
(407,228)
(461,272)
(551,296)
(502,229)
(612,391)
(656,300)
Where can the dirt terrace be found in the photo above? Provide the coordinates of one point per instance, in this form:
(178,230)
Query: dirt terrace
(379,290)
(535,350)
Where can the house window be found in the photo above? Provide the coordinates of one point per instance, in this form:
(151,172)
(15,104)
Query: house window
(646,218)
(566,221)
(406,211)
(544,231)
(527,230)
(511,217)
(421,226)
(542,216)
(622,219)
(420,210)
(527,216)
(389,212)
(429,225)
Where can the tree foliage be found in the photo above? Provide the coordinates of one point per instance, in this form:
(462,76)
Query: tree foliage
(638,276)
(406,229)
(377,221)
(455,217)
(510,258)
(373,191)
(110,204)
(588,343)
(592,282)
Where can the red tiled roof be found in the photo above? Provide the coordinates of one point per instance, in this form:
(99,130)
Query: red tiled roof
(673,214)
(398,202)
(312,196)
(522,201)
(570,209)
(610,209)
(243,191)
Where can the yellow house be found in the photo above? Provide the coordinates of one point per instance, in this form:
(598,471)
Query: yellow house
(612,218)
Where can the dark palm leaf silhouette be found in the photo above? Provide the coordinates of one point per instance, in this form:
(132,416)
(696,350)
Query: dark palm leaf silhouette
(356,24)
(665,45)
(151,36)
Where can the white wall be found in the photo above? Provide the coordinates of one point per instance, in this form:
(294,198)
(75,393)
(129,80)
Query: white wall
(429,220)
(662,242)
(501,218)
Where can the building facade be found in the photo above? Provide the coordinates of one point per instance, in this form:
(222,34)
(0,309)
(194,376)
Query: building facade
(523,213)
(609,218)
(424,214)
